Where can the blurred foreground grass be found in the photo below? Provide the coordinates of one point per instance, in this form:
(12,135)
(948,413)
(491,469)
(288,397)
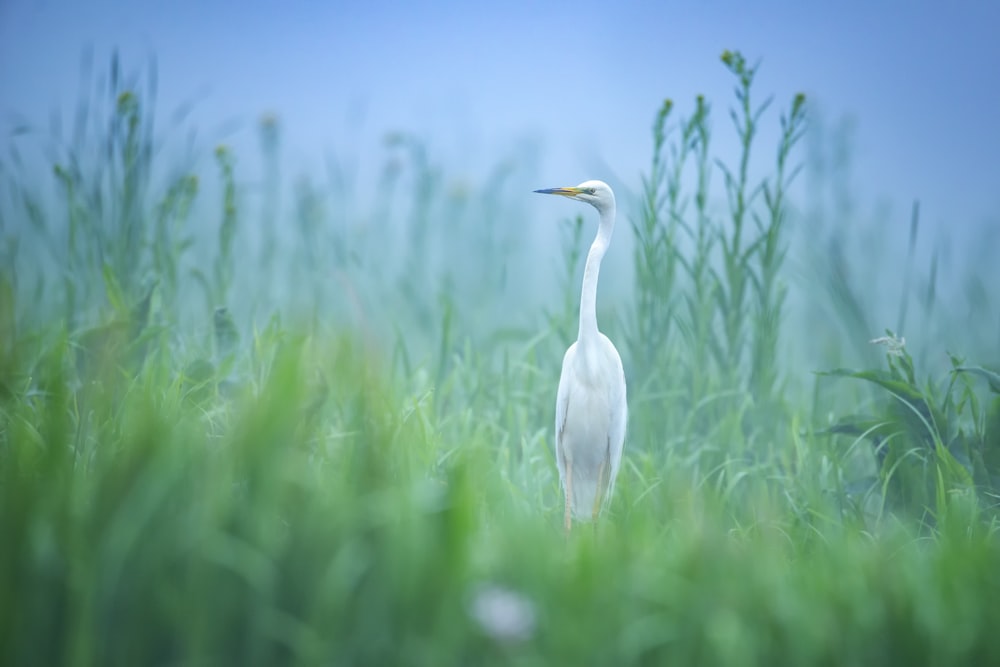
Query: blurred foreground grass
(145,527)
(297,491)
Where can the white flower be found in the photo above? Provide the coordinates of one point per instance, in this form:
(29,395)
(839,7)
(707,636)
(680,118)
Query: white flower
(893,345)
(503,614)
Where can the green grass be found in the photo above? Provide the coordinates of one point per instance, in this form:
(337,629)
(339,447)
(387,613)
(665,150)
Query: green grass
(220,452)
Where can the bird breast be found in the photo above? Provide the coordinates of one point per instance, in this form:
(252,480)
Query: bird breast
(595,383)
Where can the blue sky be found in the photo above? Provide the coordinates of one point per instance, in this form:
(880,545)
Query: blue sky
(582,79)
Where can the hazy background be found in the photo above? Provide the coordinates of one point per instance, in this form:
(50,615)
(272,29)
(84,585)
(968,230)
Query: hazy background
(555,93)
(583,78)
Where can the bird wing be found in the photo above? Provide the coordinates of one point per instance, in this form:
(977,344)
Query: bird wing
(616,435)
(619,419)
(562,410)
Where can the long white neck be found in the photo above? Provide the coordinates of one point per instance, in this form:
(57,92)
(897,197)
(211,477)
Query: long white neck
(588,296)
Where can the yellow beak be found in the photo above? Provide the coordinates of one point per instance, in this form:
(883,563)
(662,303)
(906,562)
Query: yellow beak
(565,192)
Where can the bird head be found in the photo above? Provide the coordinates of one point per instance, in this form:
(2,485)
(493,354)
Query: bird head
(596,193)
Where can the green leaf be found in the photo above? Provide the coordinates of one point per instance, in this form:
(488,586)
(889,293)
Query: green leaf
(991,438)
(957,474)
(860,425)
(991,377)
(884,379)
(113,289)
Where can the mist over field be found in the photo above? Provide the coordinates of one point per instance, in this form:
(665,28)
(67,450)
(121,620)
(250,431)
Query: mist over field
(282,321)
(508,100)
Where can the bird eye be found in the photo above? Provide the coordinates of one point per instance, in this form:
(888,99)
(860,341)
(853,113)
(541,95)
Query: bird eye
(592,190)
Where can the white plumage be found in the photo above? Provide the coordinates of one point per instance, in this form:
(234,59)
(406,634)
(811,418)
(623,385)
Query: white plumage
(591,405)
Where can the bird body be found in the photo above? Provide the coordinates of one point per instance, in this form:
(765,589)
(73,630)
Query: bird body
(591,440)
(591,403)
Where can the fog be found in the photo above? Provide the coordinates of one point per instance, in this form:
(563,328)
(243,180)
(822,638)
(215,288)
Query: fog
(431,123)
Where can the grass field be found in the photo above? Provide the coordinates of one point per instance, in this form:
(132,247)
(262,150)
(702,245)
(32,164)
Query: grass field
(235,435)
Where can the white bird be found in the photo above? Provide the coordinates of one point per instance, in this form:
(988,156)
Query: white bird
(591,407)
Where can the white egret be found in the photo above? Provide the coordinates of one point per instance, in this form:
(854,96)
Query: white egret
(591,408)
